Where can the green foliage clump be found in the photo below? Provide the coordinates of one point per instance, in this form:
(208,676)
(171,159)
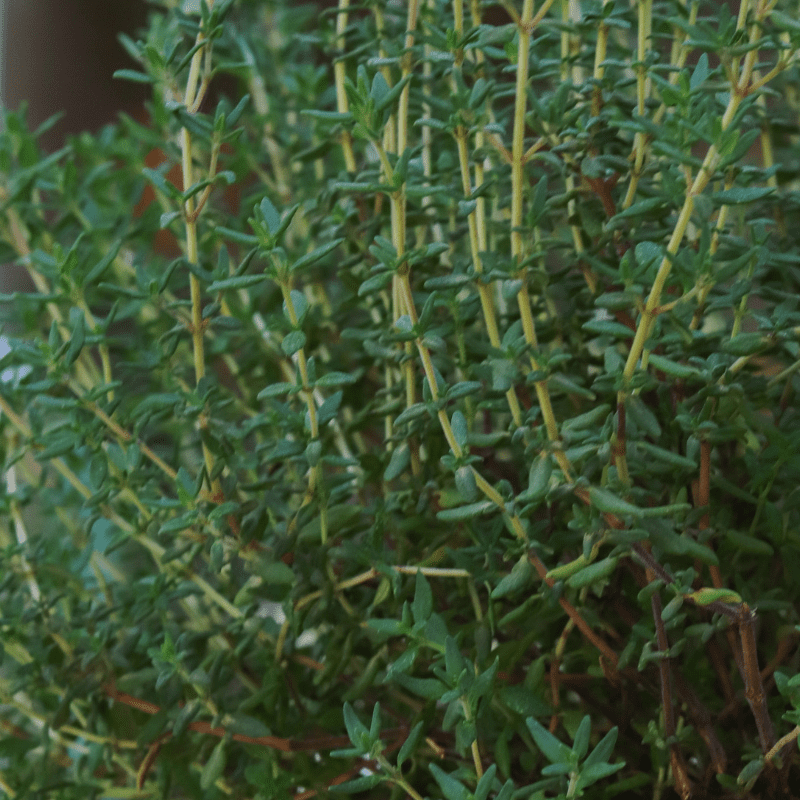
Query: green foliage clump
(429,430)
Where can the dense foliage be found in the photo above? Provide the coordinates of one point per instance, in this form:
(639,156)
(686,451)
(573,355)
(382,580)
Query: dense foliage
(409,409)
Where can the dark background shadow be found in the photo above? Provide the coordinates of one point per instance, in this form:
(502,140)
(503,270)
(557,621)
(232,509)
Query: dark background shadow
(59,56)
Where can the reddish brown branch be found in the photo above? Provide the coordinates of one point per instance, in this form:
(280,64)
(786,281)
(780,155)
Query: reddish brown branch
(679,772)
(753,685)
(573,613)
(285,745)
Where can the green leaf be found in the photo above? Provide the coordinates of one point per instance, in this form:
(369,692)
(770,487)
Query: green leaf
(519,577)
(334,379)
(460,431)
(216,556)
(539,475)
(422,606)
(357,784)
(77,338)
(672,608)
(593,573)
(672,368)
(356,730)
(158,401)
(388,627)
(523,701)
(465,512)
(375,725)
(292,342)
(608,502)
(564,571)
(607,327)
(398,463)
(647,253)
(374,284)
(190,710)
(100,267)
(749,544)
(98,470)
(700,72)
(233,235)
(507,792)
(331,116)
(749,774)
(644,418)
(408,746)
(299,306)
(591,419)
(236,282)
(785,21)
(168,652)
(451,788)
(466,484)
(539,199)
(328,410)
(706,595)
(160,182)
(247,726)
(179,523)
(454,661)
(133,75)
(276,390)
(215,766)
(637,209)
(745,344)
(568,386)
(390,96)
(552,749)
(185,486)
(270,215)
(580,744)
(667,456)
(740,195)
(276,573)
(602,752)
(596,772)
(485,783)
(429,688)
(316,255)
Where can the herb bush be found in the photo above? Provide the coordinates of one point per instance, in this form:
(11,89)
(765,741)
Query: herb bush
(430,429)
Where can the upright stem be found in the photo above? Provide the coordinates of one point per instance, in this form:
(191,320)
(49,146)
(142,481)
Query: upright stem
(525,27)
(754,686)
(339,71)
(645,13)
(195,89)
(677,762)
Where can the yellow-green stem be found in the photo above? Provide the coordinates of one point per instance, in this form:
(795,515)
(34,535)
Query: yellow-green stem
(599,58)
(644,18)
(339,72)
(517,254)
(192,95)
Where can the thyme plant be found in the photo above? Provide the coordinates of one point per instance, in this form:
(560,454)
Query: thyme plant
(409,409)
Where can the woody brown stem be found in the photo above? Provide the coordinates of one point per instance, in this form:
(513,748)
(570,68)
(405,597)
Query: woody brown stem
(677,762)
(753,685)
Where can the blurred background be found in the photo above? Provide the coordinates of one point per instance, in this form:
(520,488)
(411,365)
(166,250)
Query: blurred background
(58,56)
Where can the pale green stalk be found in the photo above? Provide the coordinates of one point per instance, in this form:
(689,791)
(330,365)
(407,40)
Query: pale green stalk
(339,72)
(570,12)
(645,20)
(517,251)
(196,85)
